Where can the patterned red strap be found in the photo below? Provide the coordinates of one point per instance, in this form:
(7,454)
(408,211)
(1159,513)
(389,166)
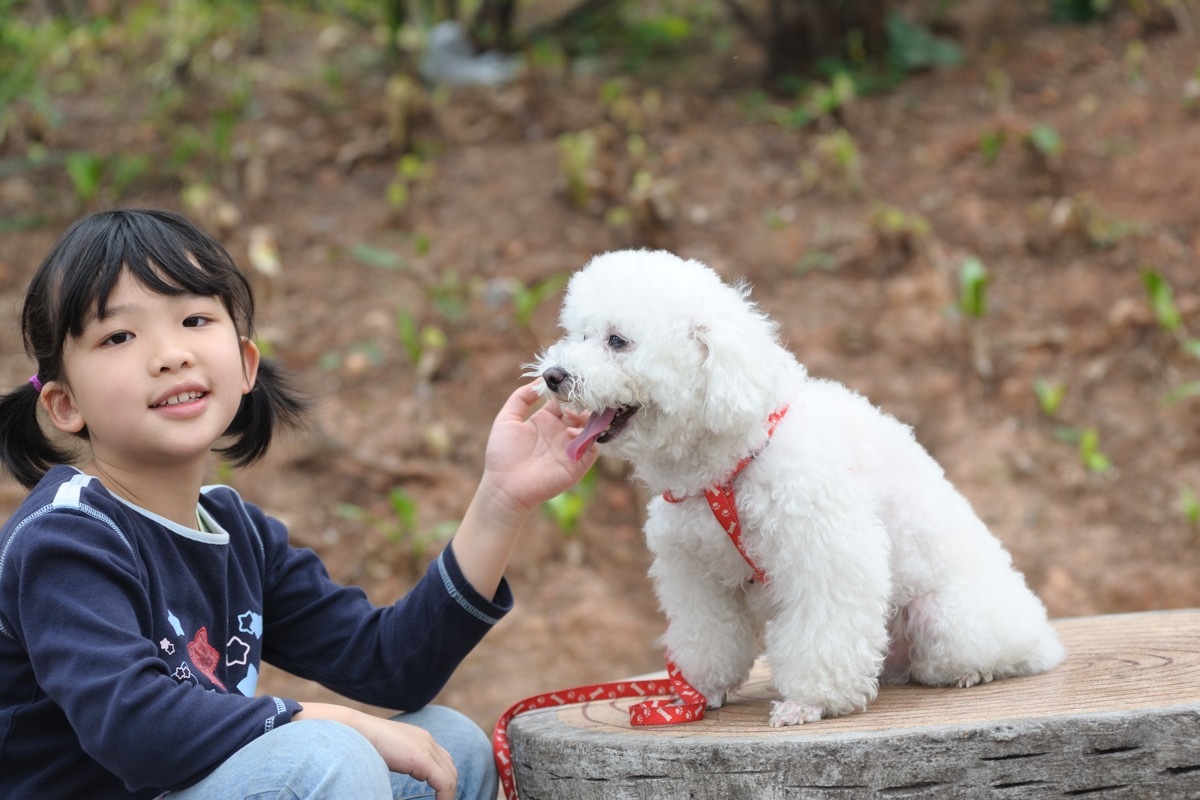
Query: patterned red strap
(724,508)
(723,503)
(682,704)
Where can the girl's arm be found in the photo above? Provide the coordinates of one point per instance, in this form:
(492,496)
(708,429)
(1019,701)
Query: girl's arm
(400,656)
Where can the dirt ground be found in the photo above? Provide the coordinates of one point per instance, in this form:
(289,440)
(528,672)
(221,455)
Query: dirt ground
(1064,237)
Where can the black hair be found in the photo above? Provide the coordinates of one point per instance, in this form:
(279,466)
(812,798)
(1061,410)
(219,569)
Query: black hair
(168,255)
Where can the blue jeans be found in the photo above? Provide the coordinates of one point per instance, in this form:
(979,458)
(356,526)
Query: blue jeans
(323,760)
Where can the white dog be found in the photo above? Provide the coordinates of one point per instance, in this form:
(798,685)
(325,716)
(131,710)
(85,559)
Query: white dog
(859,560)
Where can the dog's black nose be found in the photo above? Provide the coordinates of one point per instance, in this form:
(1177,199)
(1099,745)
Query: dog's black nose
(554,377)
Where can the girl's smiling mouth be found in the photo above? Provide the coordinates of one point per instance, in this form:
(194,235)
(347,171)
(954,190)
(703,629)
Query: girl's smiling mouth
(180,396)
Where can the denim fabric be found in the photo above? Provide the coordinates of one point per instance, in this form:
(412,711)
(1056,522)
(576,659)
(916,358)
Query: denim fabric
(323,760)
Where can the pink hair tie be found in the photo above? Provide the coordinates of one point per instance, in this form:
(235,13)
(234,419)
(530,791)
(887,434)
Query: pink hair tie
(37,384)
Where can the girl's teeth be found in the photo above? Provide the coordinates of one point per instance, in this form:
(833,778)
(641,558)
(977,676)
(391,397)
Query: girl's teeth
(180,398)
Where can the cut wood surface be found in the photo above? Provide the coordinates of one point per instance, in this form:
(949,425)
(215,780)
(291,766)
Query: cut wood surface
(1119,718)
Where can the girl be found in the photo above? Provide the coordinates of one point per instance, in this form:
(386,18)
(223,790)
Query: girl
(136,603)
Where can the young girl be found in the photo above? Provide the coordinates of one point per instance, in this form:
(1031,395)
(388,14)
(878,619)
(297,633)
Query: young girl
(136,603)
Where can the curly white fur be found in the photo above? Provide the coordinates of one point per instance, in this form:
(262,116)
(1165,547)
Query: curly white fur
(877,568)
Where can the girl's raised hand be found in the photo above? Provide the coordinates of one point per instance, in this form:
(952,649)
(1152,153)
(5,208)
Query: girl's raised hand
(526,459)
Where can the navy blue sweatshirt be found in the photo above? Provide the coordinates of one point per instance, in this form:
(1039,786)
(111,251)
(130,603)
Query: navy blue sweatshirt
(130,645)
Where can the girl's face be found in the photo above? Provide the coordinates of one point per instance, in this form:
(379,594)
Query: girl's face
(156,382)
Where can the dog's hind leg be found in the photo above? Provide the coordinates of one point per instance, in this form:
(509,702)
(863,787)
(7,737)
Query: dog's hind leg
(979,629)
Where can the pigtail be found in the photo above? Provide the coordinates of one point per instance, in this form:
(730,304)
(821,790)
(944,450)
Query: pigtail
(25,451)
(273,401)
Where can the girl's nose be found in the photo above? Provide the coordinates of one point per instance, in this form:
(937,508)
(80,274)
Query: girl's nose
(171,358)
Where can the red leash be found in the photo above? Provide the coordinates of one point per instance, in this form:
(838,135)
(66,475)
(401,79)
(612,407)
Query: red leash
(688,706)
(679,701)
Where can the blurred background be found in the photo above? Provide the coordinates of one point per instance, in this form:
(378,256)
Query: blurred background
(984,216)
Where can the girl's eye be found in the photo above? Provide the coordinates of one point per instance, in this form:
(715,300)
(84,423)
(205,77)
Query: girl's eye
(196,321)
(615,342)
(120,337)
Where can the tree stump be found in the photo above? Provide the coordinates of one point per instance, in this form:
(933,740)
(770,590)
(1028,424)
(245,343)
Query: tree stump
(1119,718)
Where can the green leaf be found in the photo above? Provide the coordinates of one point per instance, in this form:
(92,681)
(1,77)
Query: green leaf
(1089,452)
(377,257)
(973,282)
(1190,505)
(1045,140)
(1050,395)
(1183,392)
(1162,300)
(86,171)
(911,47)
(403,507)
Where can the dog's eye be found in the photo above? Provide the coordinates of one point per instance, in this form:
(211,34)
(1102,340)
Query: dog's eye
(617,343)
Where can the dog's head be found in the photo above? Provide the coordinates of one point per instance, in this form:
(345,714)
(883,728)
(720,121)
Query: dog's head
(663,354)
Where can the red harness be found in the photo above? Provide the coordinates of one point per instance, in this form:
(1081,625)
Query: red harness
(724,505)
(678,700)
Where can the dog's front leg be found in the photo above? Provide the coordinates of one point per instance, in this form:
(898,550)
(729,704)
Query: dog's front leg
(826,634)
(711,634)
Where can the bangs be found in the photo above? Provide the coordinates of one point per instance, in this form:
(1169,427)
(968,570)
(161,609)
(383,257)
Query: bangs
(161,252)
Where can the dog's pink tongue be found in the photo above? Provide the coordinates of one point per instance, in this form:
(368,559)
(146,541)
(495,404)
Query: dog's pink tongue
(596,425)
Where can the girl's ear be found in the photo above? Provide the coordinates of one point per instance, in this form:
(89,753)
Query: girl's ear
(59,403)
(250,361)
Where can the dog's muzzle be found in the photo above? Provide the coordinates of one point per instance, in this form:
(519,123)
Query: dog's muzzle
(557,379)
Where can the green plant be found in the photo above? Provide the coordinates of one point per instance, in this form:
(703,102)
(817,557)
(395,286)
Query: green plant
(893,222)
(399,525)
(406,329)
(991,143)
(1134,61)
(1079,11)
(377,257)
(448,295)
(412,171)
(973,281)
(26,45)
(86,171)
(1081,215)
(815,259)
(1183,391)
(912,48)
(1093,458)
(1050,395)
(835,164)
(814,101)
(91,173)
(577,153)
(1189,504)
(1045,141)
(1162,300)
(567,508)
(1000,87)
(425,346)
(527,299)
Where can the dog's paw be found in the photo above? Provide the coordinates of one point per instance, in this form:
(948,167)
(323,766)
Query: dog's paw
(972,679)
(714,700)
(787,712)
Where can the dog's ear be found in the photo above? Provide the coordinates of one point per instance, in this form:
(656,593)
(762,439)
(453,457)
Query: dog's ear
(742,363)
